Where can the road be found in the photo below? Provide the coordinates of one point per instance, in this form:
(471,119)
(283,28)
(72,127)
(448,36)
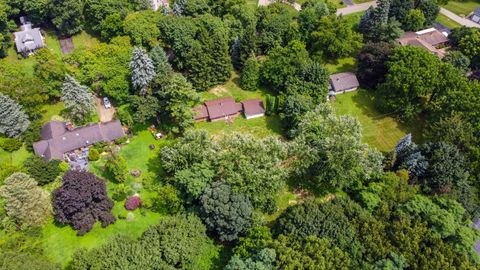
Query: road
(458,19)
(297,6)
(356,8)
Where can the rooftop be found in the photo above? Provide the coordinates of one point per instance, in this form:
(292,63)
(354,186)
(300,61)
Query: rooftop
(343,81)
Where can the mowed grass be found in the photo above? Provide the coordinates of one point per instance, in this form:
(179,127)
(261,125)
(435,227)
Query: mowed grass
(463,7)
(342,65)
(447,21)
(379,131)
(84,40)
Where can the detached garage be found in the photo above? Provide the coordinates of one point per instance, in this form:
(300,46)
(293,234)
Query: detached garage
(253,108)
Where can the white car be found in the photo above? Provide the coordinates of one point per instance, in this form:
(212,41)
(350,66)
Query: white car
(106,103)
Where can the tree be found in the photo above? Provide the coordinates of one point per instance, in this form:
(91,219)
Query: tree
(309,17)
(282,63)
(4,28)
(330,153)
(144,109)
(10,144)
(111,27)
(13,121)
(50,69)
(313,80)
(430,9)
(81,201)
(43,172)
(250,76)
(414,21)
(309,253)
(160,60)
(79,102)
(142,70)
(25,202)
(334,38)
(458,60)
(264,259)
(117,167)
(176,98)
(452,130)
(376,26)
(293,109)
(225,212)
(190,7)
(371,63)
(258,238)
(67,16)
(142,27)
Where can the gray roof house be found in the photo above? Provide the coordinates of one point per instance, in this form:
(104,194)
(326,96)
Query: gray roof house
(29,39)
(58,139)
(343,82)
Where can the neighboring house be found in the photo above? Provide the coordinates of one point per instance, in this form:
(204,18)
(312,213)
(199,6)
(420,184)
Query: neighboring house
(29,39)
(476,226)
(227,108)
(253,108)
(430,39)
(156,4)
(343,82)
(476,15)
(59,138)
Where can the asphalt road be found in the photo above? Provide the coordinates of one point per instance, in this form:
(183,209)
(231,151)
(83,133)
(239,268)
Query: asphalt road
(356,8)
(458,19)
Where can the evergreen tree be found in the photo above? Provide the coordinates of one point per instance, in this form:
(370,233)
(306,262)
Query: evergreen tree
(78,100)
(250,74)
(142,70)
(375,24)
(179,7)
(25,202)
(160,60)
(13,121)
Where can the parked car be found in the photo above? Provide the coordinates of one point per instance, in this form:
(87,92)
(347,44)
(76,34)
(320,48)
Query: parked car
(106,103)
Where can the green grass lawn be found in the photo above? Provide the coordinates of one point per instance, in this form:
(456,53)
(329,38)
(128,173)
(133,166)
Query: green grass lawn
(15,158)
(463,7)
(84,41)
(232,89)
(252,3)
(447,21)
(382,132)
(342,65)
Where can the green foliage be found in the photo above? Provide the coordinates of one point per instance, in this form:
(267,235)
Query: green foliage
(43,172)
(13,121)
(257,238)
(124,114)
(67,16)
(117,167)
(79,102)
(121,191)
(10,144)
(50,70)
(371,63)
(458,60)
(144,108)
(25,202)
(250,76)
(334,38)
(6,170)
(93,154)
(414,21)
(282,63)
(309,253)
(264,259)
(168,200)
(160,60)
(270,105)
(142,70)
(142,28)
(193,180)
(226,213)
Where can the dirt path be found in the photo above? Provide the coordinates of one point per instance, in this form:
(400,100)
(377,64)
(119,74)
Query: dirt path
(105,115)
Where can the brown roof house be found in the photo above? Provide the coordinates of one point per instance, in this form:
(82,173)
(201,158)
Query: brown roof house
(343,82)
(253,108)
(227,108)
(59,138)
(430,39)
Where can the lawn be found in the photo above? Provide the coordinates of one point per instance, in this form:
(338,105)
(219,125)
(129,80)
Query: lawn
(382,132)
(84,41)
(252,3)
(462,8)
(447,21)
(341,65)
(15,158)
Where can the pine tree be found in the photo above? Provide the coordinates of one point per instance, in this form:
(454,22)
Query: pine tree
(142,70)
(404,142)
(160,60)
(179,7)
(13,121)
(78,100)
(25,202)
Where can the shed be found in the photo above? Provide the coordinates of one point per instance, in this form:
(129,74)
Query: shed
(344,82)
(253,108)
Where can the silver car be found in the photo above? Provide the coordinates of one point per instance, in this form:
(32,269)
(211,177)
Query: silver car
(106,103)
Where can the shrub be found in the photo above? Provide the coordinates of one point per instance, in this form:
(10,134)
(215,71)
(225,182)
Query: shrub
(117,166)
(102,146)
(168,200)
(121,140)
(124,115)
(43,172)
(93,155)
(121,191)
(11,144)
(133,203)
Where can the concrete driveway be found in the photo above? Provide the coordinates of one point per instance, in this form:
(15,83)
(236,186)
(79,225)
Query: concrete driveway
(356,8)
(105,115)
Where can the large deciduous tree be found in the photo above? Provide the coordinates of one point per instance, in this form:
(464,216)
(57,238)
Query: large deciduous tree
(81,201)
(226,212)
(25,202)
(79,102)
(67,16)
(142,70)
(371,63)
(13,121)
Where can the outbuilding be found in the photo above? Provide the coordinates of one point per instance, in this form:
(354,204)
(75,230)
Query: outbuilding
(253,108)
(343,82)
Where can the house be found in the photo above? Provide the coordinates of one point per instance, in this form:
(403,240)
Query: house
(59,138)
(227,108)
(430,39)
(29,39)
(343,82)
(253,108)
(476,15)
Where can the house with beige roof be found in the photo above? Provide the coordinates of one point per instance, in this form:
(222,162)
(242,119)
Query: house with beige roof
(430,39)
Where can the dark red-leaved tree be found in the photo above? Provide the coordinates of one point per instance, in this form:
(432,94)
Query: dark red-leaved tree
(81,201)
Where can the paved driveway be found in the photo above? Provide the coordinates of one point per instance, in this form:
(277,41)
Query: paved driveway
(105,115)
(356,8)
(458,19)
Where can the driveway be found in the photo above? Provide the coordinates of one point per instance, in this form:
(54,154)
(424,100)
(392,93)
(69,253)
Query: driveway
(458,19)
(297,6)
(356,8)
(106,115)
